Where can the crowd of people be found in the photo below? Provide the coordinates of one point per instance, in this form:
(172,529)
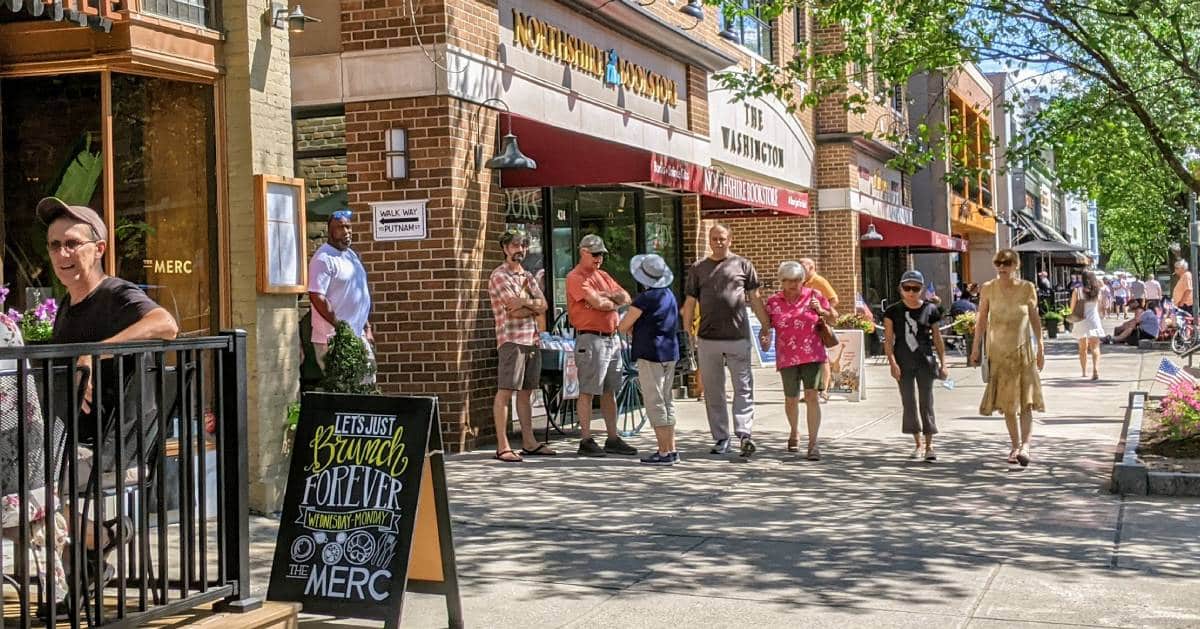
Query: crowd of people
(719,291)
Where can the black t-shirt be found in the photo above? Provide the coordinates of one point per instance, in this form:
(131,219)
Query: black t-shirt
(914,327)
(115,305)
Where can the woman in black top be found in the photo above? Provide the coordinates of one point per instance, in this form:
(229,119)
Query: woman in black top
(911,336)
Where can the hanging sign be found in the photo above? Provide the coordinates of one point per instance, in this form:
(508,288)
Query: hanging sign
(361,488)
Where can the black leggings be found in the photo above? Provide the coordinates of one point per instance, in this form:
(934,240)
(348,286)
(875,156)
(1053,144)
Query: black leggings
(923,379)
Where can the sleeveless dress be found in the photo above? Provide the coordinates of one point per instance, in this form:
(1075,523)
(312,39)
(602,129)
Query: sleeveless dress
(1013,381)
(1091,326)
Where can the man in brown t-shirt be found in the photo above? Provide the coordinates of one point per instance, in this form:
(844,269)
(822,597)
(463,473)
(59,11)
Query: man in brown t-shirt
(721,284)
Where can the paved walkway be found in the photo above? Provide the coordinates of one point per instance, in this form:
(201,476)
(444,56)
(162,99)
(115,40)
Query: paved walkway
(863,538)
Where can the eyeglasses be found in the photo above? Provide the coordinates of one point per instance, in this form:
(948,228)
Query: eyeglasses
(908,288)
(341,215)
(70,245)
(598,254)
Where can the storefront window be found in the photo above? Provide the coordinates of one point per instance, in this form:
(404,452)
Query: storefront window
(165,194)
(52,146)
(661,214)
(881,276)
(523,210)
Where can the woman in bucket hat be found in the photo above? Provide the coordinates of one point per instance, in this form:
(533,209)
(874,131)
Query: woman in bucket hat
(653,320)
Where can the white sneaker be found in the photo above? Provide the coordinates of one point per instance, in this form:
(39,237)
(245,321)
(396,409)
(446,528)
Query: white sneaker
(917,453)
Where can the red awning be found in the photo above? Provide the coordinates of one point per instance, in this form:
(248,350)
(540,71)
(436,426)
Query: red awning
(917,239)
(566,158)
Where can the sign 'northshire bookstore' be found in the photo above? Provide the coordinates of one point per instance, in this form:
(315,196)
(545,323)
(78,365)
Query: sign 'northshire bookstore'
(537,35)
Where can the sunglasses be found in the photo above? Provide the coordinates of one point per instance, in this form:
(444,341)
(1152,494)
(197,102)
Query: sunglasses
(70,245)
(1003,263)
(598,254)
(909,288)
(341,215)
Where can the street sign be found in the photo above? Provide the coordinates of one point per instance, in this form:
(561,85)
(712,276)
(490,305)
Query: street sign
(400,220)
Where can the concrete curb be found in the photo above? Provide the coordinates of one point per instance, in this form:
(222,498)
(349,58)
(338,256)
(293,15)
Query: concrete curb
(1130,477)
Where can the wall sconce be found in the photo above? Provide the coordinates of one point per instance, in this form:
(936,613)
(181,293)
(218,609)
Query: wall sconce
(727,33)
(871,234)
(510,155)
(395,153)
(295,21)
(693,9)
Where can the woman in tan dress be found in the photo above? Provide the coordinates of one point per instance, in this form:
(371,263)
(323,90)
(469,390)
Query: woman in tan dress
(1008,313)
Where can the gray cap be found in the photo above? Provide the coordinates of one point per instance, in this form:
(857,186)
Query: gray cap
(593,243)
(51,209)
(912,277)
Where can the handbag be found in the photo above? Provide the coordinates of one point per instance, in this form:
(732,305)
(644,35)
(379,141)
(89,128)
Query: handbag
(828,339)
(1077,311)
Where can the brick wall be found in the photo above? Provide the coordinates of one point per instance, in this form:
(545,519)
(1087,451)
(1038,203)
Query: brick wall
(433,323)
(324,175)
(374,24)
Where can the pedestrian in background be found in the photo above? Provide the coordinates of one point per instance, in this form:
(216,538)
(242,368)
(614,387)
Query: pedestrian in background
(795,313)
(917,355)
(1154,293)
(1181,295)
(1090,330)
(721,284)
(1009,321)
(814,280)
(653,322)
(338,291)
(593,298)
(1120,293)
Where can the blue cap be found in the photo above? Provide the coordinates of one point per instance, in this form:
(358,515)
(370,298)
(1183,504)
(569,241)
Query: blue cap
(912,277)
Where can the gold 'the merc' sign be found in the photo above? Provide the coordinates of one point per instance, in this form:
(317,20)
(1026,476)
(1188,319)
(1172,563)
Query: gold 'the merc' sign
(536,35)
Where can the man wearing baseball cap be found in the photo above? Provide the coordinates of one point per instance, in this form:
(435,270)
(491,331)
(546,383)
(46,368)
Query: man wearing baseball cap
(100,309)
(593,298)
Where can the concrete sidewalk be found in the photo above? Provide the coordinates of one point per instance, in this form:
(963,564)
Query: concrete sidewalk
(863,538)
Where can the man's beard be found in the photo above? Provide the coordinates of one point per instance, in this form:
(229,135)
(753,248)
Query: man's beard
(517,257)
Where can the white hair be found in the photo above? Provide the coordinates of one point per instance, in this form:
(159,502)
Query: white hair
(791,270)
(1181,264)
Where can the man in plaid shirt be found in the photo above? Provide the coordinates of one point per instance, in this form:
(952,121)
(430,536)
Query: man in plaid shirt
(517,302)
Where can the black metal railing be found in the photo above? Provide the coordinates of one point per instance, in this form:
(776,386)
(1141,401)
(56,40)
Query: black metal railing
(135,490)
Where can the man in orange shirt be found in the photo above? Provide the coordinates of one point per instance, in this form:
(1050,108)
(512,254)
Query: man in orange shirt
(1181,296)
(593,298)
(821,284)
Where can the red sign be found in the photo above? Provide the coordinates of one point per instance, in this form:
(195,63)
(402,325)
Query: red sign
(676,173)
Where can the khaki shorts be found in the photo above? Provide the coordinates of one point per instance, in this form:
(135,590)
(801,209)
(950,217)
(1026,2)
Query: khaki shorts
(598,359)
(520,367)
(808,375)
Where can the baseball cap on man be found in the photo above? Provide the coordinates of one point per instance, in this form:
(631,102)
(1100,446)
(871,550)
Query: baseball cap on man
(593,244)
(51,209)
(912,277)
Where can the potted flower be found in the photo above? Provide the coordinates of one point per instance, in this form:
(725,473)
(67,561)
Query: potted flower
(964,326)
(1065,311)
(854,321)
(1050,321)
(37,323)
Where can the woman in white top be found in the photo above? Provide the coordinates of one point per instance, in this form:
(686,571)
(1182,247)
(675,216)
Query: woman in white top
(1090,330)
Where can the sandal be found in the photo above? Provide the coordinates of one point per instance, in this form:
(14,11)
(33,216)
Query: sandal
(1012,456)
(515,458)
(814,454)
(1023,457)
(793,445)
(541,450)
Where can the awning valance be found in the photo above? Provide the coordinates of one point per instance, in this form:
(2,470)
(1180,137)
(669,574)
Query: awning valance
(568,158)
(916,239)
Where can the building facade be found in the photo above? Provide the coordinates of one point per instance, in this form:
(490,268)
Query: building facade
(959,105)
(617,104)
(159,115)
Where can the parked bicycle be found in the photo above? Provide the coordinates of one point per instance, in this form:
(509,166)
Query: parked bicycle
(1185,331)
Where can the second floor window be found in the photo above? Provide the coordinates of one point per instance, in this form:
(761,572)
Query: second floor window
(752,30)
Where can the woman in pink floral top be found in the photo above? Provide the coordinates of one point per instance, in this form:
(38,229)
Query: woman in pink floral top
(799,353)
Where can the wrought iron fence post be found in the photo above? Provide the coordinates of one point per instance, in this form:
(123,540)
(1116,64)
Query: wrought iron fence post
(236,472)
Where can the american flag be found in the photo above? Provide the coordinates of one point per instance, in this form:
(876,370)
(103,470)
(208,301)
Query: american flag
(1171,375)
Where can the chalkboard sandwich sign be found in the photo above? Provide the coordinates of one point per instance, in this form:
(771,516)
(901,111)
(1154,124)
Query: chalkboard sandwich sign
(365,515)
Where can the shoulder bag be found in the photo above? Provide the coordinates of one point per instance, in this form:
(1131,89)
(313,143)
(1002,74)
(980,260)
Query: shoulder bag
(828,338)
(1077,312)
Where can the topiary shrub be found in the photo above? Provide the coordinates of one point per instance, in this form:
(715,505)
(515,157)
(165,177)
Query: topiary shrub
(347,367)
